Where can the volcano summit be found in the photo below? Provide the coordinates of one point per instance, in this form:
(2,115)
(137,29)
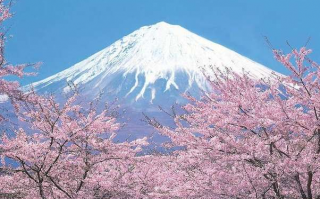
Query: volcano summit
(151,66)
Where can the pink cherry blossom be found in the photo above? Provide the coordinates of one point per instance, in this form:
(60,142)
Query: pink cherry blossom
(250,138)
(67,151)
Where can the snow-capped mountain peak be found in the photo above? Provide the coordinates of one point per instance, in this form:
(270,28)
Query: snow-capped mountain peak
(151,61)
(151,66)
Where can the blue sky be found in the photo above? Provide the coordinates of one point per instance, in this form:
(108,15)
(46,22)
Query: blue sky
(60,33)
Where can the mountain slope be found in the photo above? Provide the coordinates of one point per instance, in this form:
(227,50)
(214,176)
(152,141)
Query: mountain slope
(151,66)
(152,53)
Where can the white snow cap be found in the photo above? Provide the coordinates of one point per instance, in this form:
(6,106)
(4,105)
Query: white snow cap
(160,51)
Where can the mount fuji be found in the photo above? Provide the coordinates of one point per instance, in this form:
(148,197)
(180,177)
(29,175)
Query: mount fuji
(148,68)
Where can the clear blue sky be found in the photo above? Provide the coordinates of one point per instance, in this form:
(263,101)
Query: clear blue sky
(60,33)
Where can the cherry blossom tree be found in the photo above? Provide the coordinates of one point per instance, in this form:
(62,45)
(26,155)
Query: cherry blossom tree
(67,151)
(249,137)
(60,151)
(9,90)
